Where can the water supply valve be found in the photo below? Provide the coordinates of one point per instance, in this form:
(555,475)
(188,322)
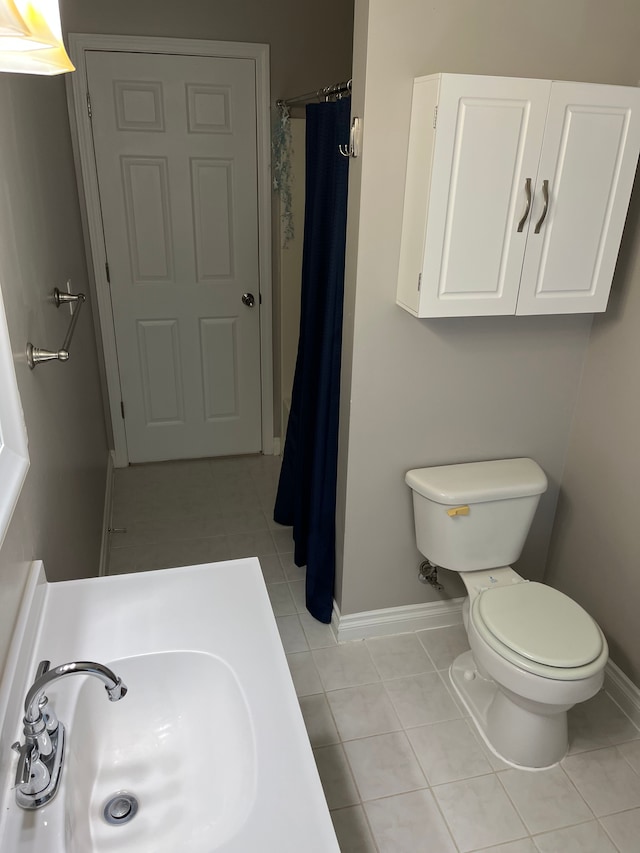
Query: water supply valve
(428,573)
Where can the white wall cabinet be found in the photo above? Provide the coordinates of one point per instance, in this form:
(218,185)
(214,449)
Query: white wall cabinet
(516,195)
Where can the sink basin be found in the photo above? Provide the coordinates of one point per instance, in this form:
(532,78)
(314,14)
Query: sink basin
(209,738)
(182,743)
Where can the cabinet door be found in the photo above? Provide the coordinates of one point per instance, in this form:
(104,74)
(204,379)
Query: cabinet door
(488,139)
(588,162)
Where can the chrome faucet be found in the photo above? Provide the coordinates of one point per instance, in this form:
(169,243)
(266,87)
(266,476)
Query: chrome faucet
(41,755)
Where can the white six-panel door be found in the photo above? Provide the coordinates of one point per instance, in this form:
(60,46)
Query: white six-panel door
(588,160)
(175,147)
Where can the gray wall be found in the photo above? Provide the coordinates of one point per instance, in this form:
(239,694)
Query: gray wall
(595,553)
(310,42)
(420,392)
(58,518)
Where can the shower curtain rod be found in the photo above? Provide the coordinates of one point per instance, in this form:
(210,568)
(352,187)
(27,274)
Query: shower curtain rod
(327,92)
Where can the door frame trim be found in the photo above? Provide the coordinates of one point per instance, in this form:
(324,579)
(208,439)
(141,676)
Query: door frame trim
(86,173)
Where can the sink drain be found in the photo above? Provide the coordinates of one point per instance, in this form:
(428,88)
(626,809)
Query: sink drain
(120,808)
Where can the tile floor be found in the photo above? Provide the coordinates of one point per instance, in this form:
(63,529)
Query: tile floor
(401,765)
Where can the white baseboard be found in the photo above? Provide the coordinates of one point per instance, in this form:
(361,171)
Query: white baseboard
(623,691)
(106,515)
(277,446)
(440,614)
(396,620)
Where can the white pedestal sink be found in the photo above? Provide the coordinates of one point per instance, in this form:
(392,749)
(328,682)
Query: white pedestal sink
(209,739)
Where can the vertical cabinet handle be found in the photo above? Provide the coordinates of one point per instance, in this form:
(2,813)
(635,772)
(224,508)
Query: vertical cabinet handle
(545,195)
(527,189)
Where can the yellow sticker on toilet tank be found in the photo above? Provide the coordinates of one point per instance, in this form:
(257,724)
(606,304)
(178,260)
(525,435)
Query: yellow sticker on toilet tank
(458,510)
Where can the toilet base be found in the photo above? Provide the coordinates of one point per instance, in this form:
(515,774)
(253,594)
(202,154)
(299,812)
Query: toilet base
(525,734)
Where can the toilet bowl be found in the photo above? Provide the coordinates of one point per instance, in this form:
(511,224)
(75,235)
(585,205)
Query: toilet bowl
(534,654)
(534,651)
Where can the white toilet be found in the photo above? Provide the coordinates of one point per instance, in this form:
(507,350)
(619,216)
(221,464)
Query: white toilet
(534,652)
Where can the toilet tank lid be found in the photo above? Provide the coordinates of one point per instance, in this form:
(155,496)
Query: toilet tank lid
(478,482)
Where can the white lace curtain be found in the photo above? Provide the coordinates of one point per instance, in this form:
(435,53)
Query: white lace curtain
(282,149)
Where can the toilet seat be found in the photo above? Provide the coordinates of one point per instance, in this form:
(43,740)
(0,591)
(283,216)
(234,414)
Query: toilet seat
(540,630)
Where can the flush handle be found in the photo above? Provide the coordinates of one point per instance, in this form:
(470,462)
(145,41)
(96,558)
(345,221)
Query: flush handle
(458,510)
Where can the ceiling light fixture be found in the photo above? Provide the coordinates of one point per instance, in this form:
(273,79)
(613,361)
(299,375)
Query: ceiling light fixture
(31,38)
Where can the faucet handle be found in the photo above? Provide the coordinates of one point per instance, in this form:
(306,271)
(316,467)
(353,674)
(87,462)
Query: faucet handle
(43,667)
(23,770)
(32,774)
(46,712)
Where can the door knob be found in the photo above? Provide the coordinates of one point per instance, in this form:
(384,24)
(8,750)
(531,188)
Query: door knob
(249,299)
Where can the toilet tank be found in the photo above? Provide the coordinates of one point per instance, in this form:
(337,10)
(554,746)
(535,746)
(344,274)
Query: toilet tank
(476,515)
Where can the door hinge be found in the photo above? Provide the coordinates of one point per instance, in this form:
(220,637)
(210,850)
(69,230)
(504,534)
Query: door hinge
(89,110)
(435,116)
(259,299)
(419,281)
(106,269)
(122,409)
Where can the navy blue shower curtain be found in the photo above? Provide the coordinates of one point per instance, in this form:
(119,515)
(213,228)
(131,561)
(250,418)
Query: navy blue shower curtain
(306,496)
